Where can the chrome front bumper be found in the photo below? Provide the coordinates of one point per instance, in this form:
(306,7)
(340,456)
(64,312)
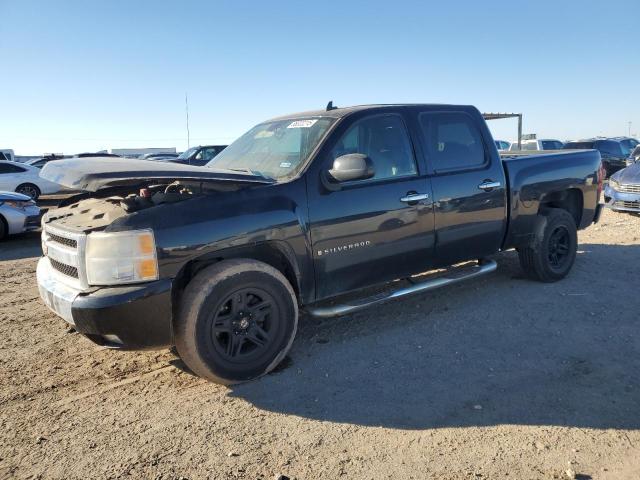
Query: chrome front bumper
(55,294)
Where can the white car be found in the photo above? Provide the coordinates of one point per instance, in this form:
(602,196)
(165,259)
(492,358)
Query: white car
(539,144)
(18,213)
(25,179)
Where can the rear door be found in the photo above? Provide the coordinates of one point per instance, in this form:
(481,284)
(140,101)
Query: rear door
(371,231)
(468,183)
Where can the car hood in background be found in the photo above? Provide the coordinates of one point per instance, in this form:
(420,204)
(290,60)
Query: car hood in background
(94,173)
(13,197)
(629,175)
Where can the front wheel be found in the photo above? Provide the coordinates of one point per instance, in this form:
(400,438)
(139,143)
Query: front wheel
(237,321)
(551,257)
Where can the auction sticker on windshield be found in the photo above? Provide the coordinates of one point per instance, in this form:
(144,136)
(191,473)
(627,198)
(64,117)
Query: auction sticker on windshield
(302,123)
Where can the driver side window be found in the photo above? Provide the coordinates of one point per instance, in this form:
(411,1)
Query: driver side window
(384,139)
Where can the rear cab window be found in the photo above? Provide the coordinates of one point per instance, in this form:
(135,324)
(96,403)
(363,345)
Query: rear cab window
(452,141)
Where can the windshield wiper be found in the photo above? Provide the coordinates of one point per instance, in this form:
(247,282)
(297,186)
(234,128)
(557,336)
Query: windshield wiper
(252,172)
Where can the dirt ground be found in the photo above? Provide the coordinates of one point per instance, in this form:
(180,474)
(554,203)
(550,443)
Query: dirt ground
(499,377)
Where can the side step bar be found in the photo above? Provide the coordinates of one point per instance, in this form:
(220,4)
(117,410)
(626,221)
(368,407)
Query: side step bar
(483,267)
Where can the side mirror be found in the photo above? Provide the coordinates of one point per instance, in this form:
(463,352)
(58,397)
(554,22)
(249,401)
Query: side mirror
(353,166)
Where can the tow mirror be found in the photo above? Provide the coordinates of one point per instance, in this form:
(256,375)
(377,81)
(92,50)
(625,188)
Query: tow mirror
(353,166)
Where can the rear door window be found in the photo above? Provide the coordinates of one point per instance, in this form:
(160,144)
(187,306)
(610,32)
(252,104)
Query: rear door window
(10,168)
(579,146)
(452,141)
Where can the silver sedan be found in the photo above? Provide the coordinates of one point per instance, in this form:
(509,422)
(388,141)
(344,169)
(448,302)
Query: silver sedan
(622,194)
(18,213)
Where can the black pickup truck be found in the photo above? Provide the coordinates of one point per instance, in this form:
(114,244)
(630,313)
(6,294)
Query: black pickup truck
(218,260)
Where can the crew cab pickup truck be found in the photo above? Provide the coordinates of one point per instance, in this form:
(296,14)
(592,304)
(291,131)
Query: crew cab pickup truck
(219,260)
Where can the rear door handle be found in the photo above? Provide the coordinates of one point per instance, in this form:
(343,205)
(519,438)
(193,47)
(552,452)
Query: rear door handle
(414,197)
(488,185)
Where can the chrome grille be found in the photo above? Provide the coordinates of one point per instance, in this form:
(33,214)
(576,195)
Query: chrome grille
(68,242)
(629,188)
(621,203)
(67,270)
(65,251)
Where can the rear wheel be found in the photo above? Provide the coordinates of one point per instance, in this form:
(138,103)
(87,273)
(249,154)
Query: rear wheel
(237,321)
(551,257)
(29,189)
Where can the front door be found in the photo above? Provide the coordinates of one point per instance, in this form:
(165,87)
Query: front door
(375,230)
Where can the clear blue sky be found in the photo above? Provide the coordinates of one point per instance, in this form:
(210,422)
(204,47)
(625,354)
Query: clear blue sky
(88,75)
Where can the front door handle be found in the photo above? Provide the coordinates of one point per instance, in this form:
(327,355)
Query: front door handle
(489,185)
(414,197)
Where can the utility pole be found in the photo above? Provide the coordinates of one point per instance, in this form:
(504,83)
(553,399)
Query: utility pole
(629,129)
(186,109)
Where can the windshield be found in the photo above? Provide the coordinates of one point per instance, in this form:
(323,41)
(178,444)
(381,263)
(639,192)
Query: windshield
(274,149)
(187,153)
(628,145)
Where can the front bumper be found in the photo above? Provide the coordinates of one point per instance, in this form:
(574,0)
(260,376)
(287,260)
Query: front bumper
(621,201)
(129,317)
(21,219)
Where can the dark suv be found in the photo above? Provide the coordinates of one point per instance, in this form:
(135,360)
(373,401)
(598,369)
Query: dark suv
(199,156)
(613,152)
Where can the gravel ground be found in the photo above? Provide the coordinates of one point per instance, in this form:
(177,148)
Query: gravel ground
(499,377)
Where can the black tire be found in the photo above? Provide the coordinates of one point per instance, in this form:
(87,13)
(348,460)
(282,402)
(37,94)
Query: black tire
(29,189)
(551,257)
(4,228)
(236,322)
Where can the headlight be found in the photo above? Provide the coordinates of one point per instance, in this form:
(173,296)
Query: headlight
(121,257)
(18,204)
(613,184)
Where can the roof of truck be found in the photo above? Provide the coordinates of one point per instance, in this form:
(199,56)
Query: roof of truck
(343,111)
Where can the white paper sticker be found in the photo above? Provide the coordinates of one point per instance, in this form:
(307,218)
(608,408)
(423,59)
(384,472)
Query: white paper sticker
(285,165)
(302,123)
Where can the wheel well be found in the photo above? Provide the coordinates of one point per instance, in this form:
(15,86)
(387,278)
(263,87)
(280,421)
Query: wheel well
(570,200)
(267,253)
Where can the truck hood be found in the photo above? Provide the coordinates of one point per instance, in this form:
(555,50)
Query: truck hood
(91,174)
(629,175)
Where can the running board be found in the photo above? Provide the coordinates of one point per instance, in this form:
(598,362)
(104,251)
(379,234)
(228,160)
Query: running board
(483,267)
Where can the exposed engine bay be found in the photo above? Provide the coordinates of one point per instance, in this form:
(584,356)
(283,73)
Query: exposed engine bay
(91,211)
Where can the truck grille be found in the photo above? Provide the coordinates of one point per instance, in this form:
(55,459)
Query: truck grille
(67,270)
(65,251)
(629,188)
(68,242)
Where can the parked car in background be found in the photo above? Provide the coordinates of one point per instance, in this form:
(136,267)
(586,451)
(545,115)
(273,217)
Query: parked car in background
(91,155)
(628,144)
(502,145)
(41,162)
(634,157)
(199,156)
(611,150)
(7,154)
(18,213)
(25,179)
(539,144)
(622,193)
(159,156)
